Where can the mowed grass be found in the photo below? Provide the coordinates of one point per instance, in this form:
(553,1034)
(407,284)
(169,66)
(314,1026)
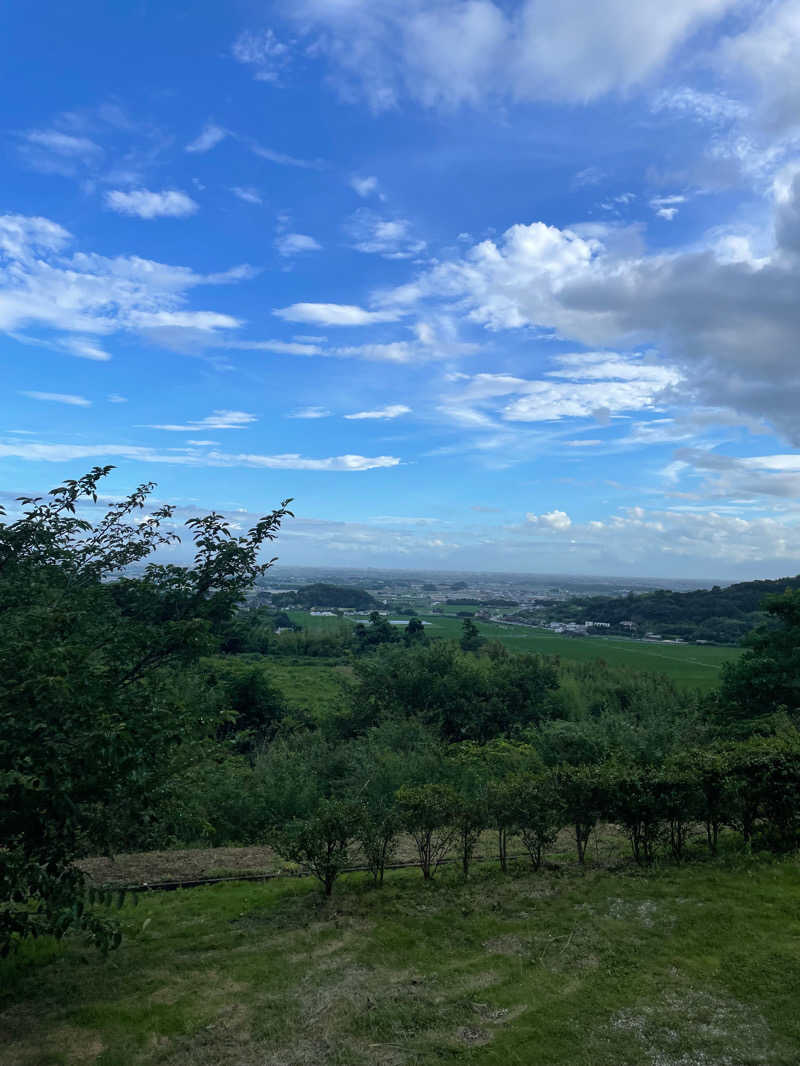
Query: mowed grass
(692,966)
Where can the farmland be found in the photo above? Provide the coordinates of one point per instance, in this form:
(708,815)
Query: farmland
(688,665)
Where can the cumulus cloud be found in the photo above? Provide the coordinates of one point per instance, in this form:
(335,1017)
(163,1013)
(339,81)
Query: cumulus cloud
(59,397)
(556,520)
(289,244)
(447,53)
(392,410)
(726,326)
(334,314)
(142,203)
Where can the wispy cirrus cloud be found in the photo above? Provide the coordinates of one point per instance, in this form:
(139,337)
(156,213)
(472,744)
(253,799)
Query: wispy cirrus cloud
(35,451)
(392,410)
(209,138)
(216,420)
(247,195)
(335,314)
(310,413)
(58,397)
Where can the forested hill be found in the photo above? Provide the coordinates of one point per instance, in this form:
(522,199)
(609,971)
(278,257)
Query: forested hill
(723,615)
(321,594)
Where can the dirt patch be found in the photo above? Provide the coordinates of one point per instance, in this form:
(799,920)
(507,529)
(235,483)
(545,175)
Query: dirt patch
(150,867)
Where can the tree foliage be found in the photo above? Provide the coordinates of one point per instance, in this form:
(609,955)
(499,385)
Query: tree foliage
(98,712)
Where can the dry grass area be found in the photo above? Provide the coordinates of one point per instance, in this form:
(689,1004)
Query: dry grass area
(691,966)
(607,845)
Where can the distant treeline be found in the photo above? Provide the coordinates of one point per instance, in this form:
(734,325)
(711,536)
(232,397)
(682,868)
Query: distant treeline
(321,594)
(720,615)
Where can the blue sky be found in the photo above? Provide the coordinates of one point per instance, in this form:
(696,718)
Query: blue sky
(482,284)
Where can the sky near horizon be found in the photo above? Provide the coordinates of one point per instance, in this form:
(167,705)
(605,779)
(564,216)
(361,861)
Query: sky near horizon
(482,284)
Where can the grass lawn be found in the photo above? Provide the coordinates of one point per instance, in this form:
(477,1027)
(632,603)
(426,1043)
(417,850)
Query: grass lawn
(692,966)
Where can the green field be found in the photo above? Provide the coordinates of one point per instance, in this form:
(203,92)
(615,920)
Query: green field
(308,684)
(689,966)
(694,666)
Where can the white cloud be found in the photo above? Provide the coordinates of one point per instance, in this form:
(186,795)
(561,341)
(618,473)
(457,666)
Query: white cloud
(766,56)
(249,195)
(281,158)
(310,412)
(142,203)
(390,238)
(334,314)
(59,397)
(54,151)
(557,520)
(666,207)
(211,136)
(367,186)
(289,244)
(216,420)
(114,397)
(279,347)
(264,52)
(726,329)
(702,106)
(446,53)
(596,384)
(61,453)
(85,295)
(392,410)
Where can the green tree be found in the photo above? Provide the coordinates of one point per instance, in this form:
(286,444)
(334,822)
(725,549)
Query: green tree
(538,812)
(100,708)
(763,685)
(321,841)
(471,639)
(428,813)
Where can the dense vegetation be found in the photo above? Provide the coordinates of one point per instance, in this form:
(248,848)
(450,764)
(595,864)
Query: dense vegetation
(722,615)
(321,594)
(138,712)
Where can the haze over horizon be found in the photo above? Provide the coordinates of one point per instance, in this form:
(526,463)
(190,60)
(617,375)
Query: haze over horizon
(485,285)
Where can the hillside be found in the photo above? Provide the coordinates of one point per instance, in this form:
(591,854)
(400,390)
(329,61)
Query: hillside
(721,615)
(322,594)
